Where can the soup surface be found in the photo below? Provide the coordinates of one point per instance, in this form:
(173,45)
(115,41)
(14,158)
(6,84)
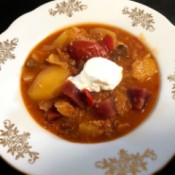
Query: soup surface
(90,83)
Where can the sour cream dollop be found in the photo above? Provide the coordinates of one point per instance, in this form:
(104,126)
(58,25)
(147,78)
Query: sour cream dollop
(98,74)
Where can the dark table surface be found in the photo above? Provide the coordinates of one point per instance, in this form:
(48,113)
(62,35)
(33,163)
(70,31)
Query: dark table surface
(11,9)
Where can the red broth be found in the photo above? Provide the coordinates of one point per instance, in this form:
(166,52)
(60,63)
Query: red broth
(82,116)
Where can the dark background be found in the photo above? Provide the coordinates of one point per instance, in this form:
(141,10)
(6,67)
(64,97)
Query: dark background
(11,9)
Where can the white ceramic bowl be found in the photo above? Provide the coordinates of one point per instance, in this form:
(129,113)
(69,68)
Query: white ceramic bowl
(33,150)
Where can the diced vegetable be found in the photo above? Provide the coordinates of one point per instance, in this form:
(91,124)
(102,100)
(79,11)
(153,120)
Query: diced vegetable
(92,128)
(107,43)
(102,32)
(123,126)
(45,105)
(39,55)
(63,39)
(122,103)
(48,82)
(138,97)
(84,50)
(88,97)
(145,68)
(70,35)
(54,59)
(65,108)
(106,108)
(63,56)
(71,91)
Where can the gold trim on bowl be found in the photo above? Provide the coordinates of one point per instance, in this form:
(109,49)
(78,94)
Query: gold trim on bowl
(68,8)
(17,142)
(171,78)
(126,163)
(6,49)
(140,17)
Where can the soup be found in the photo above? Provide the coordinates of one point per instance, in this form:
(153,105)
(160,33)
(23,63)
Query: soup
(90,83)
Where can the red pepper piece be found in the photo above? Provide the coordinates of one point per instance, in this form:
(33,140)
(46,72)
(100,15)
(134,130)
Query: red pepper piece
(139,97)
(106,108)
(108,43)
(71,91)
(84,50)
(88,97)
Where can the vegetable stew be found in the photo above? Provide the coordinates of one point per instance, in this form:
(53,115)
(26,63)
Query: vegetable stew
(80,115)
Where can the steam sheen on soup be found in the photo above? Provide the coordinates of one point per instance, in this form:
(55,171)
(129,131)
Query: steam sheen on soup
(90,83)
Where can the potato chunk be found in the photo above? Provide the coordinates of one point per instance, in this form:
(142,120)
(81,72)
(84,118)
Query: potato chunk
(63,39)
(48,82)
(69,35)
(144,69)
(92,128)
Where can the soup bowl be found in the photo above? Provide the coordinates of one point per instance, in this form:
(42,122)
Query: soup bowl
(34,150)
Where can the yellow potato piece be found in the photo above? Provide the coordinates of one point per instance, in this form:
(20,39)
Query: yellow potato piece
(144,69)
(48,82)
(91,128)
(63,39)
(66,37)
